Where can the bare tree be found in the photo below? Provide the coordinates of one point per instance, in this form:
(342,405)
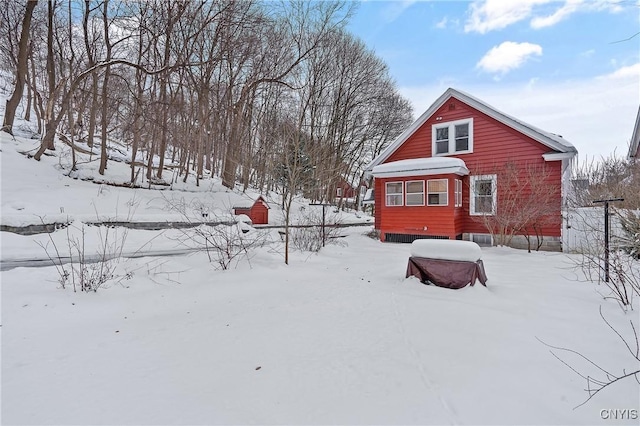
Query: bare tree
(21,69)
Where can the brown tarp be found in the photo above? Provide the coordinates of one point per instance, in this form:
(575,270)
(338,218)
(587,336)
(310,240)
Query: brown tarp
(446,273)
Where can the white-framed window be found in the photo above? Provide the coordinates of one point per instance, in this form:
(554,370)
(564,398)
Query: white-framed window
(483,240)
(482,195)
(454,137)
(458,193)
(415,193)
(338,192)
(437,192)
(393,193)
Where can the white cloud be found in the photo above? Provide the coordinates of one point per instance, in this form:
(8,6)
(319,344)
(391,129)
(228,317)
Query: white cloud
(623,73)
(491,15)
(569,7)
(395,9)
(442,23)
(593,114)
(508,56)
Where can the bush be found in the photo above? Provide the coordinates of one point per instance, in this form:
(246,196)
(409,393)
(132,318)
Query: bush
(308,234)
(630,242)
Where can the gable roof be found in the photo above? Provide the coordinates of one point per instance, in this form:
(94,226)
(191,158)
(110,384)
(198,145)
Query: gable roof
(551,140)
(634,147)
(247,204)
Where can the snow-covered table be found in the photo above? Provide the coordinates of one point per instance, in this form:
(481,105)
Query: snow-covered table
(446,263)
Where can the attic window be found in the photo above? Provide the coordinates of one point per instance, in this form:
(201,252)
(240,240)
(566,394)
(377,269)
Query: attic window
(454,137)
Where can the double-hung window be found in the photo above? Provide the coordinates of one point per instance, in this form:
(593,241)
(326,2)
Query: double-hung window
(454,137)
(415,193)
(393,193)
(437,192)
(482,199)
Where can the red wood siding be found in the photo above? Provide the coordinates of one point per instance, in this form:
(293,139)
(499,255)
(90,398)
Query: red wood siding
(418,220)
(494,145)
(259,214)
(378,199)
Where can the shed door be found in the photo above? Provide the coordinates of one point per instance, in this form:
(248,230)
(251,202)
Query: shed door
(262,216)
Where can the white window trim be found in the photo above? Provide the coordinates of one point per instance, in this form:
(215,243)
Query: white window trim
(406,193)
(452,139)
(472,198)
(447,192)
(338,192)
(401,194)
(458,193)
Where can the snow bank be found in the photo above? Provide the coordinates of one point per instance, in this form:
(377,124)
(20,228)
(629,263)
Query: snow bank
(447,250)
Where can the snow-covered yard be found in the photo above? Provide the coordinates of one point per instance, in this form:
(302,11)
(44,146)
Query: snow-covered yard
(337,337)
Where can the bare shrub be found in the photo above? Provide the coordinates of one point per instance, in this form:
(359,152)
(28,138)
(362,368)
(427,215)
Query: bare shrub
(87,271)
(608,177)
(630,240)
(309,234)
(622,268)
(373,234)
(225,240)
(597,376)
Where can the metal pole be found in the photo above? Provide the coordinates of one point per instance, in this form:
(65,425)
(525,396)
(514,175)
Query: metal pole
(606,234)
(606,241)
(323,222)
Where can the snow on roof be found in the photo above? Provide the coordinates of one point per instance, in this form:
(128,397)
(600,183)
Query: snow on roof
(551,140)
(247,204)
(421,166)
(466,251)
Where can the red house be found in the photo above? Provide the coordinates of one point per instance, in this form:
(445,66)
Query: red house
(344,189)
(258,211)
(462,165)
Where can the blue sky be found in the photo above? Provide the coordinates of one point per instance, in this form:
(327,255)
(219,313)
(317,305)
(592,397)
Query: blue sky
(560,65)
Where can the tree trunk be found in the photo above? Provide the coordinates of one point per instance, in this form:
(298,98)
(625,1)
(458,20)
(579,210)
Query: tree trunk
(51,119)
(21,70)
(105,92)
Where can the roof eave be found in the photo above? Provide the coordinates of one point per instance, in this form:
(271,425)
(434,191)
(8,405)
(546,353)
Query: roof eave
(557,156)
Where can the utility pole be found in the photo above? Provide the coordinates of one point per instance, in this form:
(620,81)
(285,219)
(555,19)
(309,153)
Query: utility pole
(606,233)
